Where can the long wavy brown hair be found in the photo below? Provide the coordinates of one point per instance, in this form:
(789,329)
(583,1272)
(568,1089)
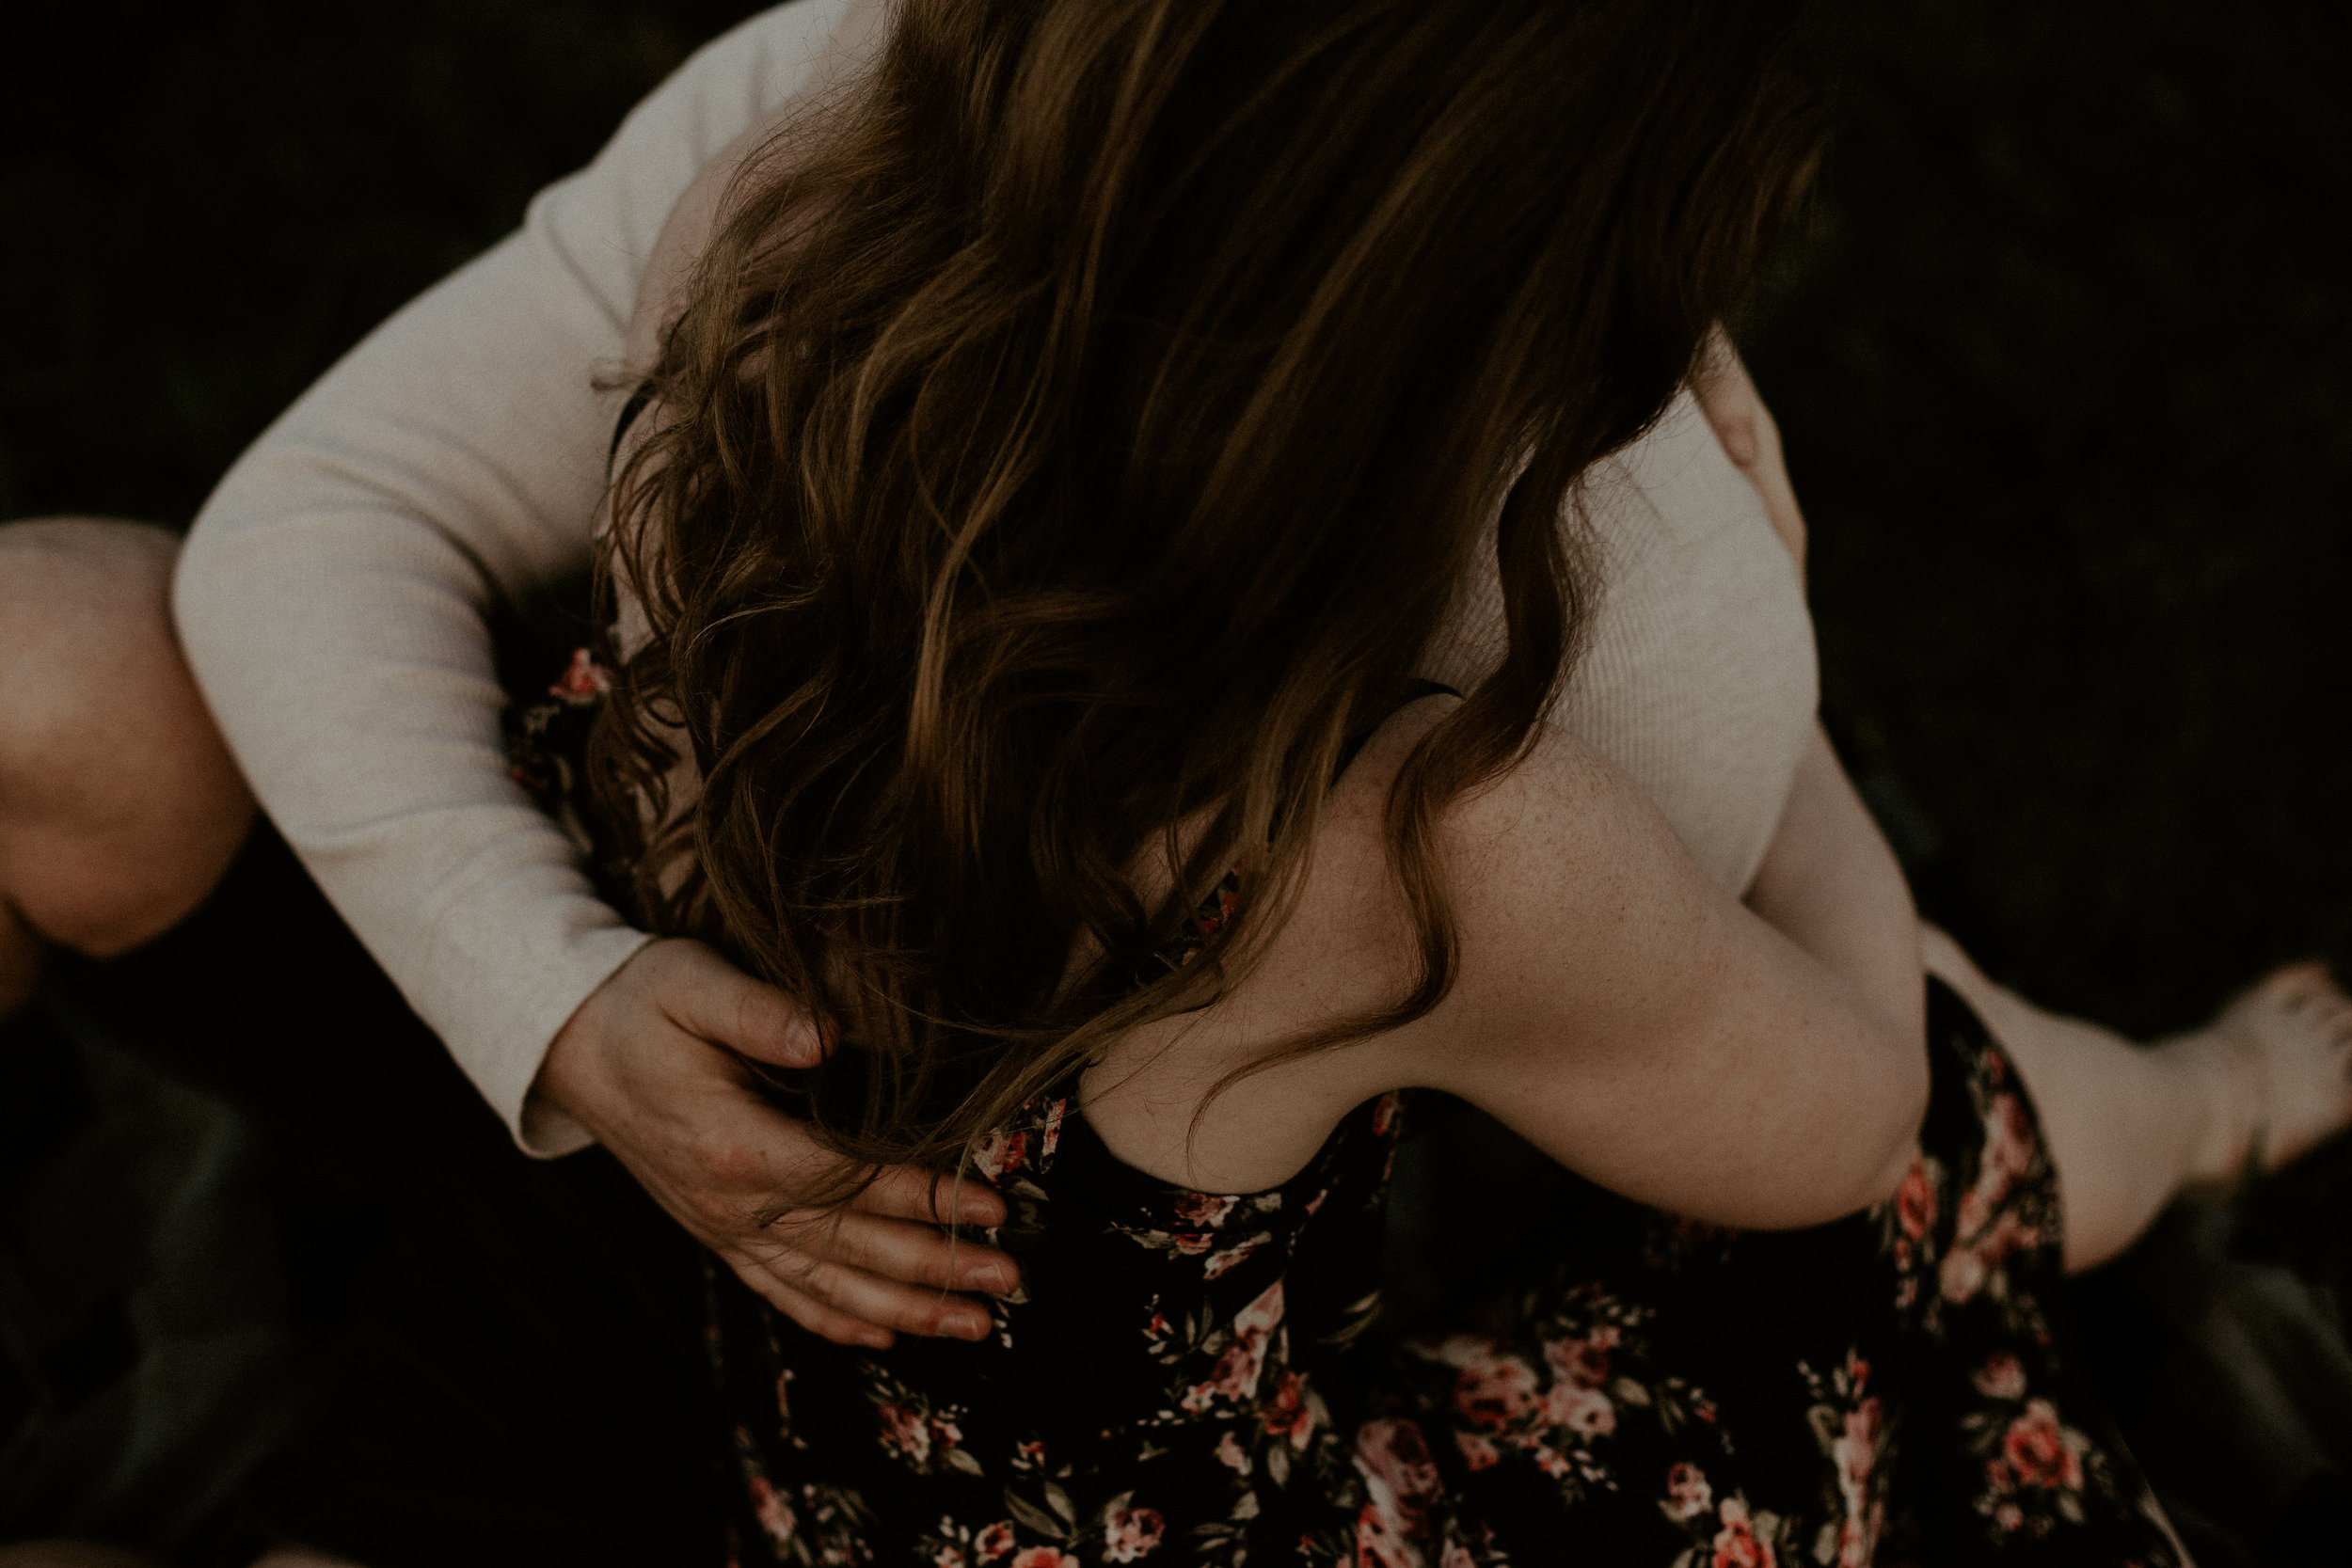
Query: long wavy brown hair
(1074,436)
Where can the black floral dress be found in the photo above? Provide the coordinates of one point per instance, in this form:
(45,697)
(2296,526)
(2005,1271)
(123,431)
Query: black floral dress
(1189,1377)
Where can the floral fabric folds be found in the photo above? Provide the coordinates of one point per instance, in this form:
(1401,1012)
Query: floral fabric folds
(1186,1380)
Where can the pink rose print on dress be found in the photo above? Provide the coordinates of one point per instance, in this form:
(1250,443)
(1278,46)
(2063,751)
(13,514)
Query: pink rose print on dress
(914,1434)
(1051,1136)
(1584,1362)
(2009,1145)
(1376,1543)
(2038,1450)
(1914,1210)
(1736,1544)
(1205,1210)
(1579,1368)
(1961,1276)
(994,1542)
(1045,1557)
(1855,1452)
(1394,1457)
(905,1432)
(1231,1454)
(774,1515)
(1585,1412)
(1688,1494)
(1495,1391)
(1288,1414)
(1477,1452)
(2013,1144)
(1968,1268)
(1231,1256)
(2001,1377)
(584,680)
(1455,1556)
(947,1556)
(1129,1533)
(999,1153)
(1235,1374)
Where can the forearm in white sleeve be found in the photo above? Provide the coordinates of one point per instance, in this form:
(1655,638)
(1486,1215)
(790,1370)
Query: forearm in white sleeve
(333,593)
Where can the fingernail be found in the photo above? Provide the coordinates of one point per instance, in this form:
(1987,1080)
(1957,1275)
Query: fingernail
(972,1328)
(801,1040)
(993,1277)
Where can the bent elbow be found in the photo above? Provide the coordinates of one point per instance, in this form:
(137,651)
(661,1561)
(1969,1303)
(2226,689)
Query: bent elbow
(1870,1153)
(1886,1153)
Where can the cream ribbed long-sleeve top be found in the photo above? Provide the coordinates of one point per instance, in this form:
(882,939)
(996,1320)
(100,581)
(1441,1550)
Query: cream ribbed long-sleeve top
(333,597)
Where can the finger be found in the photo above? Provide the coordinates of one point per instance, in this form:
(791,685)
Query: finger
(908,1252)
(913,1192)
(709,997)
(883,1303)
(826,1322)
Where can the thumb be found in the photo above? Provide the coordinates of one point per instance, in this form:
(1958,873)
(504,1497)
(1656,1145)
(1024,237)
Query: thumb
(711,999)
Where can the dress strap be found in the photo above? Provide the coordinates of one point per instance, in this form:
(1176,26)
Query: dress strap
(1412,691)
(638,399)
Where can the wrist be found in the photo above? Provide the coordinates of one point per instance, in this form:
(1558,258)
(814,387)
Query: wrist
(560,1109)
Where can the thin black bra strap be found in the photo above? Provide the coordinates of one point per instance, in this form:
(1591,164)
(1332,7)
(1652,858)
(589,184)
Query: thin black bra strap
(629,410)
(1412,691)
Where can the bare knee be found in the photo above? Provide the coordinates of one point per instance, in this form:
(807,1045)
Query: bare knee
(119,805)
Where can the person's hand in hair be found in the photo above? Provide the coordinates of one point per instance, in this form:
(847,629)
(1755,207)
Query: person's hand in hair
(1749,436)
(651,1066)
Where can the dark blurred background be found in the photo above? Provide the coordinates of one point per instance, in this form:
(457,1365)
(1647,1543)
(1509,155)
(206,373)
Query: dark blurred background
(2063,365)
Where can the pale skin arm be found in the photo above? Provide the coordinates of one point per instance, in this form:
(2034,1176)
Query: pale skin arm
(1663,1040)
(1832,885)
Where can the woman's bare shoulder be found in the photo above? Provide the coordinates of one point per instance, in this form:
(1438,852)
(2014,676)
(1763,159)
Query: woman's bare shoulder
(1609,1003)
(1523,858)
